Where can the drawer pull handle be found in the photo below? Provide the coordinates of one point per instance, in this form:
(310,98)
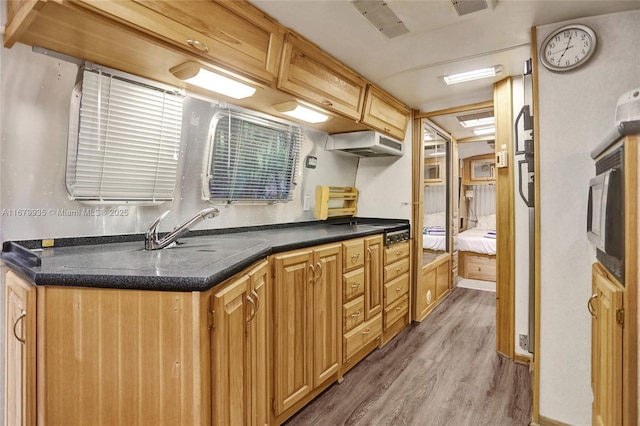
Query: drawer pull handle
(319,265)
(367,331)
(356,285)
(386,129)
(327,102)
(253,308)
(355,257)
(313,273)
(398,269)
(398,288)
(398,308)
(256,298)
(355,314)
(15,324)
(398,253)
(198,45)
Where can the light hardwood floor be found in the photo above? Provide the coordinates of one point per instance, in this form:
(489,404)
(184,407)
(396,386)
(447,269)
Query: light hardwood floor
(443,371)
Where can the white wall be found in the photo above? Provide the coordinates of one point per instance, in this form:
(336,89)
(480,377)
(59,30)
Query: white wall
(36,94)
(384,184)
(576,113)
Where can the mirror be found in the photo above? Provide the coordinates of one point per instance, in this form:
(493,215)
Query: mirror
(435,239)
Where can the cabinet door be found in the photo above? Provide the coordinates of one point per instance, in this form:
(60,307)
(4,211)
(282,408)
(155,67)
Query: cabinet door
(426,294)
(231,354)
(385,113)
(442,279)
(311,74)
(373,276)
(293,319)
(606,350)
(326,312)
(259,345)
(235,35)
(20,352)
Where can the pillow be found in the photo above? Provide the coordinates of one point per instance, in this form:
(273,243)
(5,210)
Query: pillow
(434,219)
(486,222)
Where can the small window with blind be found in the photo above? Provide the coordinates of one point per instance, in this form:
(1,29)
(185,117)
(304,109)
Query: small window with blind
(124,139)
(252,159)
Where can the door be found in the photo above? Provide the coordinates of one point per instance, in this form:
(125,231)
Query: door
(20,352)
(606,349)
(325,305)
(231,354)
(293,322)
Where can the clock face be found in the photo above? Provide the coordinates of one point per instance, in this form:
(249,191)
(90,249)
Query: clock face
(568,47)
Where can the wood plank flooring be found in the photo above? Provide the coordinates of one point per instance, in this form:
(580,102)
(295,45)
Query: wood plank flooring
(443,371)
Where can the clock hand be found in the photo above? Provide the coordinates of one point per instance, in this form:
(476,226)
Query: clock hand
(567,48)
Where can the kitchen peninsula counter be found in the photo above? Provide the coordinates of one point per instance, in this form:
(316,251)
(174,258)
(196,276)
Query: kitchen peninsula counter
(200,260)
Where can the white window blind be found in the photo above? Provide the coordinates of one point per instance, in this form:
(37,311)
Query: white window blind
(252,158)
(124,141)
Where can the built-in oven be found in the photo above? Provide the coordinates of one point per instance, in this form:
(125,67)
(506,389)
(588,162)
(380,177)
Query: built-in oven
(396,235)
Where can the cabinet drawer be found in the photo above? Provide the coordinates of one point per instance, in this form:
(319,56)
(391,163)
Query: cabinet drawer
(396,252)
(480,268)
(395,289)
(396,269)
(396,311)
(352,254)
(362,335)
(352,284)
(352,314)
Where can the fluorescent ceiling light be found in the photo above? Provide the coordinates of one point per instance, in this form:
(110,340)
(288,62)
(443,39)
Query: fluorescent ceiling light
(473,75)
(485,131)
(295,110)
(193,73)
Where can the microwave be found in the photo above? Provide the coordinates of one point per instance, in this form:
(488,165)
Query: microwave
(605,213)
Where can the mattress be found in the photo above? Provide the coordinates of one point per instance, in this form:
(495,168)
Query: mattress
(433,242)
(477,241)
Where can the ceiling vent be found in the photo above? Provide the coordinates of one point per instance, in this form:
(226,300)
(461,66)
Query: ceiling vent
(380,15)
(464,7)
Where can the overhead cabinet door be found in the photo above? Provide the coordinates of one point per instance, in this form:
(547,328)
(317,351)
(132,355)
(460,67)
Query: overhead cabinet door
(234,35)
(314,76)
(384,113)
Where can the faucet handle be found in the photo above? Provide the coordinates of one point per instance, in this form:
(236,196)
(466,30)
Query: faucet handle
(153,228)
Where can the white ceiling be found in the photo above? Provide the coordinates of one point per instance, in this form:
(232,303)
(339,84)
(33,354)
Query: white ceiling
(439,41)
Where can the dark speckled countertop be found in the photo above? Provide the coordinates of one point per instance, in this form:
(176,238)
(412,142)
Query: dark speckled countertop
(201,260)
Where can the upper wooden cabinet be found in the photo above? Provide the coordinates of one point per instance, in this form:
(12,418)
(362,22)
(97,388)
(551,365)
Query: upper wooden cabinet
(385,113)
(234,35)
(311,74)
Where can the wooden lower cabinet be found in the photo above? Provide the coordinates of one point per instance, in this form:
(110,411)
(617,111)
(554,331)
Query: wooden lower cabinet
(606,306)
(240,348)
(434,284)
(306,324)
(20,352)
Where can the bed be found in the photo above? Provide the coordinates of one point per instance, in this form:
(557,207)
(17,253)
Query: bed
(434,232)
(477,250)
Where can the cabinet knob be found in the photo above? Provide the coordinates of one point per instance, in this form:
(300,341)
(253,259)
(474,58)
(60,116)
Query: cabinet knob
(355,314)
(15,325)
(198,45)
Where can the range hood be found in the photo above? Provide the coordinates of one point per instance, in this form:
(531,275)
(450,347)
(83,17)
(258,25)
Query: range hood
(367,143)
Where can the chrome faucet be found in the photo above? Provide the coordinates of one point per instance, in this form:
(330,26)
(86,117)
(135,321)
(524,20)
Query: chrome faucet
(152,241)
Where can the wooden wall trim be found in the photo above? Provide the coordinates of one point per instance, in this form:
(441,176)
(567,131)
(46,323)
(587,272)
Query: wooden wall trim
(535,362)
(417,181)
(505,221)
(546,421)
(458,109)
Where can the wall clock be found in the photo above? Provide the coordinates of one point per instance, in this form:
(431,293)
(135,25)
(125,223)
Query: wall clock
(568,47)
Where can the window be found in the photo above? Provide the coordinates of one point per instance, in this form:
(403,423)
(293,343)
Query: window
(124,140)
(252,158)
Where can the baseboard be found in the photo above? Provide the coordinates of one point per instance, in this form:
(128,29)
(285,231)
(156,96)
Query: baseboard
(545,421)
(522,359)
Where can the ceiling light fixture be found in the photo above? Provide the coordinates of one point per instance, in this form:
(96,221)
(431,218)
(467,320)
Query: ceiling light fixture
(485,131)
(301,112)
(473,75)
(193,73)
(478,119)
